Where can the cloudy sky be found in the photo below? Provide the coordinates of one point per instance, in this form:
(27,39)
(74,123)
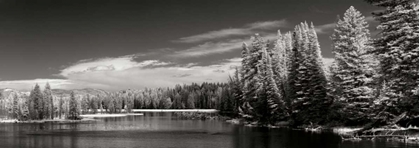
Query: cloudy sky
(116,45)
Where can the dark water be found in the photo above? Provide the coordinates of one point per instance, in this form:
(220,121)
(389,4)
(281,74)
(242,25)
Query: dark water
(161,130)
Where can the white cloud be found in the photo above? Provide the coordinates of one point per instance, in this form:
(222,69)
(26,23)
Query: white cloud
(247,30)
(135,75)
(108,64)
(29,84)
(326,28)
(128,73)
(215,34)
(209,48)
(268,24)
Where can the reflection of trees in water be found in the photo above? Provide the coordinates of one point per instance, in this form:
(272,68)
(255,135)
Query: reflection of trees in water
(247,137)
(162,131)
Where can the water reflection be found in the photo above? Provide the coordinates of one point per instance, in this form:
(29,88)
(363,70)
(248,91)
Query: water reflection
(163,130)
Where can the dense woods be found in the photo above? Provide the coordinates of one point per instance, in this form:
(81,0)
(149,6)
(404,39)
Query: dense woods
(370,80)
(50,103)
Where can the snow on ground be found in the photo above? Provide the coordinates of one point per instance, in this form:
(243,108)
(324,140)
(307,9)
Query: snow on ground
(109,115)
(9,121)
(176,110)
(344,130)
(45,120)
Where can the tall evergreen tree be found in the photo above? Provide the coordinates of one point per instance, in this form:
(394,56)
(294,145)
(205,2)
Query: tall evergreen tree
(286,53)
(15,107)
(25,110)
(275,103)
(398,48)
(307,79)
(353,68)
(73,109)
(60,107)
(245,109)
(48,102)
(36,107)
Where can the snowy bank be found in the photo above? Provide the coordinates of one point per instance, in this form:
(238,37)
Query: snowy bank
(176,110)
(345,130)
(109,115)
(46,121)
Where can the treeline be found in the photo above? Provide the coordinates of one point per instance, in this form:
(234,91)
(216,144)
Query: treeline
(370,81)
(45,104)
(38,105)
(194,96)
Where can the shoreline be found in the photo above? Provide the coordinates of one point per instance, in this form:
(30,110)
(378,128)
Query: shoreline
(110,115)
(7,121)
(85,118)
(347,133)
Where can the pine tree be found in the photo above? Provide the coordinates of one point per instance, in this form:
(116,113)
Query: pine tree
(281,64)
(36,107)
(398,49)
(25,110)
(60,107)
(15,107)
(319,80)
(244,108)
(352,71)
(307,81)
(236,86)
(253,81)
(286,53)
(275,103)
(48,102)
(73,112)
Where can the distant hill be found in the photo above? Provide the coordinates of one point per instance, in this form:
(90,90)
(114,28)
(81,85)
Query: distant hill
(90,91)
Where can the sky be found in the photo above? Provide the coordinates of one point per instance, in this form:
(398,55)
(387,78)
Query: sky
(116,45)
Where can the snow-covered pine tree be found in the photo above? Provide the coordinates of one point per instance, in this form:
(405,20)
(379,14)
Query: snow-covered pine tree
(352,71)
(398,48)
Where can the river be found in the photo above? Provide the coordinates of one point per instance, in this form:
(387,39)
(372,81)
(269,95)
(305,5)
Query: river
(163,130)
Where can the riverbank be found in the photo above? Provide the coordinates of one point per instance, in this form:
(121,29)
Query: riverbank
(389,133)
